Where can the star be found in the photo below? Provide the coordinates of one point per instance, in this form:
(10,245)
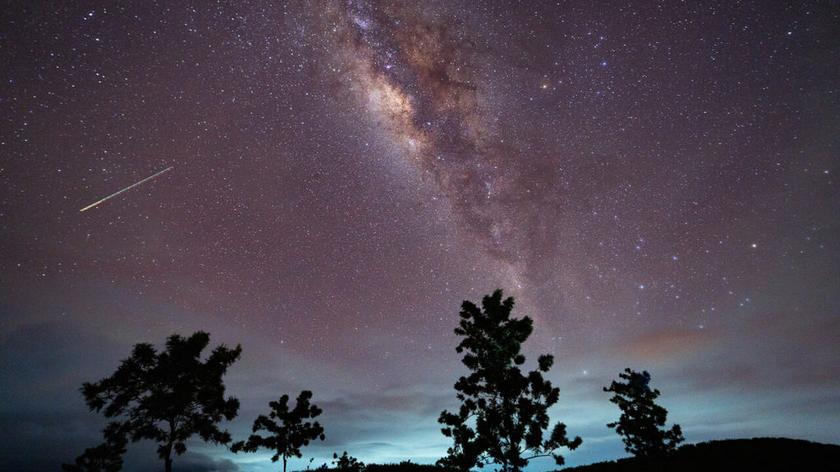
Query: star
(346,174)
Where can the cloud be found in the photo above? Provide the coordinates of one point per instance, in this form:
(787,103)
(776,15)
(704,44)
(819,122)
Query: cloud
(667,344)
(195,462)
(41,367)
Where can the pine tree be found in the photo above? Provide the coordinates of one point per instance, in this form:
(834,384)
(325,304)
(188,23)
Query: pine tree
(347,463)
(642,421)
(289,430)
(504,413)
(166,397)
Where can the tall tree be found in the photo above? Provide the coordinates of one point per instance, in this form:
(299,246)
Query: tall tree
(289,430)
(504,413)
(167,396)
(642,422)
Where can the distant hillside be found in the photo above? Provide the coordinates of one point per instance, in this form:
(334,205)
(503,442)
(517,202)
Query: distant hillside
(404,466)
(741,455)
(760,454)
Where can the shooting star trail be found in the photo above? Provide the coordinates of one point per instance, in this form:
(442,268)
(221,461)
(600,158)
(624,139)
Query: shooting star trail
(125,189)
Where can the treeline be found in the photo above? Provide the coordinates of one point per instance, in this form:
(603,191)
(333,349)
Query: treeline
(175,394)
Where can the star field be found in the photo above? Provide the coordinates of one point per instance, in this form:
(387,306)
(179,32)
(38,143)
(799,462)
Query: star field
(655,182)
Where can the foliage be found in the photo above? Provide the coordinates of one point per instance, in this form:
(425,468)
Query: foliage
(348,463)
(106,457)
(503,412)
(642,421)
(288,429)
(165,396)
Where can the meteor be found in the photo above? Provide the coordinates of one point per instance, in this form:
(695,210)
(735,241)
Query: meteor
(125,189)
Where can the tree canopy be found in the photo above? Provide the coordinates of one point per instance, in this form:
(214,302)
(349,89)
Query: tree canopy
(347,463)
(106,457)
(289,429)
(504,412)
(166,396)
(642,421)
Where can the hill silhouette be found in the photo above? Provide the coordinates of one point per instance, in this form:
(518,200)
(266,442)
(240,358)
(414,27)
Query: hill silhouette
(764,454)
(741,455)
(404,466)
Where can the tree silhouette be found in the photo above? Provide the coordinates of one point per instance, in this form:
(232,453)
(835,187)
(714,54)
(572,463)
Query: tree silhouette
(503,412)
(347,463)
(642,421)
(166,396)
(106,457)
(288,429)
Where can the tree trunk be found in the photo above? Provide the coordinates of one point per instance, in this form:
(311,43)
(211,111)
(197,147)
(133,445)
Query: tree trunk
(284,462)
(167,461)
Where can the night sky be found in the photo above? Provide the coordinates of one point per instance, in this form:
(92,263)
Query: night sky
(655,182)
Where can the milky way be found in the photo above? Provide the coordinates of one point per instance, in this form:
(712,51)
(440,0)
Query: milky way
(416,70)
(654,182)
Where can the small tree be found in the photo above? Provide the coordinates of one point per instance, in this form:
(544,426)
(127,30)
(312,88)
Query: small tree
(642,421)
(347,463)
(503,413)
(164,396)
(287,428)
(106,457)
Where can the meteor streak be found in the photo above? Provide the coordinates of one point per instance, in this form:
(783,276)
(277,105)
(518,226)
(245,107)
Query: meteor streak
(125,189)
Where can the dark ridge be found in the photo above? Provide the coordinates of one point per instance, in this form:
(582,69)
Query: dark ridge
(758,454)
(404,466)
